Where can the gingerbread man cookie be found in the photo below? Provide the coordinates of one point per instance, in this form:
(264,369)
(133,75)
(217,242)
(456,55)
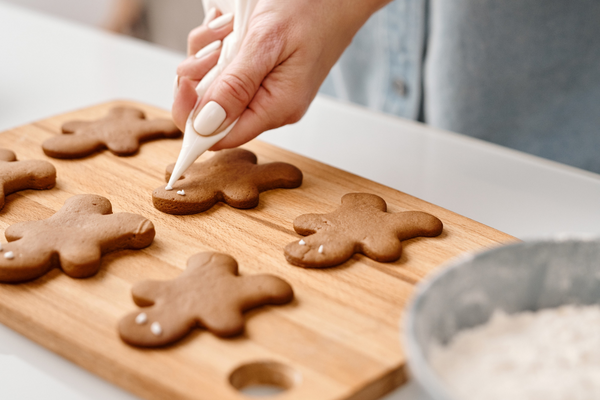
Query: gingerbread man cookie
(209,293)
(20,175)
(231,176)
(73,239)
(360,225)
(120,131)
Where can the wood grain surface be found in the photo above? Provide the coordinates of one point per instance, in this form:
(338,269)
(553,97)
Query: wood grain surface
(338,339)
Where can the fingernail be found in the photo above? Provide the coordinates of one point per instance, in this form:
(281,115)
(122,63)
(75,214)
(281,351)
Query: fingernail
(209,48)
(210,15)
(175,85)
(209,118)
(221,21)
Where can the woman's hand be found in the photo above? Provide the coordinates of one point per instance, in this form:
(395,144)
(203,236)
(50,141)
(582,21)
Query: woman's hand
(287,53)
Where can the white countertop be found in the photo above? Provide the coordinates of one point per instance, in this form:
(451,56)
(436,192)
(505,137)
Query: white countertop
(50,66)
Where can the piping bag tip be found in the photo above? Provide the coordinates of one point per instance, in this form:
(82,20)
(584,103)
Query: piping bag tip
(193,146)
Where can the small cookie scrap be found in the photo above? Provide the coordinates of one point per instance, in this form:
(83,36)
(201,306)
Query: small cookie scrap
(361,225)
(231,176)
(209,293)
(20,175)
(120,131)
(73,239)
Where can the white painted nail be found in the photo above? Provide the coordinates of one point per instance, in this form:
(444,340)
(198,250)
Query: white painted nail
(209,118)
(210,15)
(221,21)
(208,49)
(175,85)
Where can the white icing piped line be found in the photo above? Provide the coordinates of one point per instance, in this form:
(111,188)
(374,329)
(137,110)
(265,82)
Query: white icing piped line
(156,328)
(141,318)
(321,249)
(181,192)
(168,187)
(301,242)
(9,254)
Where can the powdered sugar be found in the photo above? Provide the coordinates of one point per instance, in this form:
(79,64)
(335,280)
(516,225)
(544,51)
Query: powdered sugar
(552,354)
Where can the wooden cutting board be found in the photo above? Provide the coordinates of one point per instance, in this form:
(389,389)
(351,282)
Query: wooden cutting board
(338,339)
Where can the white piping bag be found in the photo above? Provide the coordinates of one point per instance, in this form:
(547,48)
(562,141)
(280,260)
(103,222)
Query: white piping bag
(195,144)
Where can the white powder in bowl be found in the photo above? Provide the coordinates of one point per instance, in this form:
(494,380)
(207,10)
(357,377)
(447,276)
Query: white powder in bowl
(552,354)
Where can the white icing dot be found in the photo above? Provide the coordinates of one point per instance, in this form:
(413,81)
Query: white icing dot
(141,318)
(301,242)
(156,328)
(321,249)
(9,254)
(181,192)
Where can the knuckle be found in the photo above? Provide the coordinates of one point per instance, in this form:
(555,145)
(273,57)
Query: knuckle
(239,87)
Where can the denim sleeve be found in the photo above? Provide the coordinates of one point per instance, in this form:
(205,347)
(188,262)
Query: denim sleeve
(382,68)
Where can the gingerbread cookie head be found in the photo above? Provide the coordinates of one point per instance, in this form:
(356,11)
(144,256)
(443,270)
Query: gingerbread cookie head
(361,225)
(73,240)
(21,175)
(231,176)
(209,294)
(121,131)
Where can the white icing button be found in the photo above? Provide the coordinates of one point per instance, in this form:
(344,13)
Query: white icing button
(181,192)
(321,249)
(301,242)
(141,318)
(156,328)
(9,254)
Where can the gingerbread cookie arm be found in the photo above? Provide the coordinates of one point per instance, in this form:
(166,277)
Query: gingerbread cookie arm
(308,224)
(71,146)
(319,251)
(154,327)
(25,260)
(144,293)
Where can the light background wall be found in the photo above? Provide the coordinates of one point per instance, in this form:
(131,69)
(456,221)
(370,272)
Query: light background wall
(165,22)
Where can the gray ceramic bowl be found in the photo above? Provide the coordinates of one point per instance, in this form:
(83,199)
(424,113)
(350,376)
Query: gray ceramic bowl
(516,277)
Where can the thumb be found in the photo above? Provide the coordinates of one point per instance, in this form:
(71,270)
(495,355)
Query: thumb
(233,89)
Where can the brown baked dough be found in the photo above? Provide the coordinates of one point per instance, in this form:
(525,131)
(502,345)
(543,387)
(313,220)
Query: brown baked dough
(121,131)
(209,293)
(73,239)
(20,175)
(360,225)
(231,176)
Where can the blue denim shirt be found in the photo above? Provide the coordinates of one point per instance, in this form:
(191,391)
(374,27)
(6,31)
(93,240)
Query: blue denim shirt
(524,74)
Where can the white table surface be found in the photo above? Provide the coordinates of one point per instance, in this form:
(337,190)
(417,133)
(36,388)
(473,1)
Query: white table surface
(49,66)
